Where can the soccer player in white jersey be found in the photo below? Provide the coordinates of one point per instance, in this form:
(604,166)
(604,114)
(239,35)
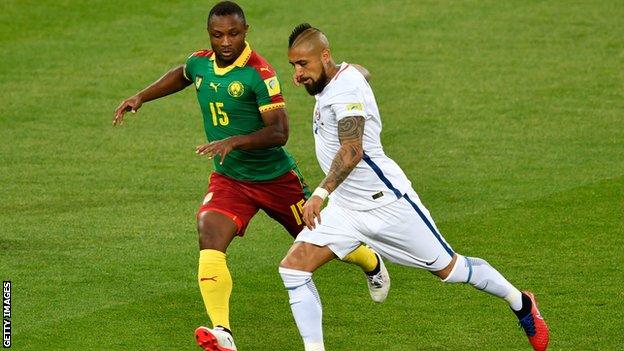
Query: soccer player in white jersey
(371,200)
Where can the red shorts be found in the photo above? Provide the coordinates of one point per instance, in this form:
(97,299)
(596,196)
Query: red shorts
(281,198)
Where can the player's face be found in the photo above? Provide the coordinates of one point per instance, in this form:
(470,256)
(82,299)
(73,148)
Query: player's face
(309,68)
(227,37)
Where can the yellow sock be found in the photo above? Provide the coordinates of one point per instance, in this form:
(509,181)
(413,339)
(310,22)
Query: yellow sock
(363,257)
(215,284)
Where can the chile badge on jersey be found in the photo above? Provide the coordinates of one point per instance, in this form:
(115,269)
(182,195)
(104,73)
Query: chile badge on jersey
(232,100)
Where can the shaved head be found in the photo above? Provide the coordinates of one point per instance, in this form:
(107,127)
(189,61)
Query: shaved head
(310,37)
(309,54)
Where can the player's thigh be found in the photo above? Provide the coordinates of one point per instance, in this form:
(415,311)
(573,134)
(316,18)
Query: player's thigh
(338,231)
(224,196)
(282,199)
(404,233)
(307,257)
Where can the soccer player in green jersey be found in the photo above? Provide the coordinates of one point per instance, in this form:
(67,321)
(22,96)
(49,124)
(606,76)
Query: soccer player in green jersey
(246,125)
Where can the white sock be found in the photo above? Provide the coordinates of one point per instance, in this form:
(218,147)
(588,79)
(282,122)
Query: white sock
(478,273)
(314,347)
(305,304)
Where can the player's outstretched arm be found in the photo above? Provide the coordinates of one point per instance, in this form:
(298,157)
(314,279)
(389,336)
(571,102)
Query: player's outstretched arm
(173,81)
(274,133)
(350,134)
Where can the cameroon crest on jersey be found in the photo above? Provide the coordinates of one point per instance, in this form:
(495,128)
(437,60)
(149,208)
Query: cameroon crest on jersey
(232,100)
(236,89)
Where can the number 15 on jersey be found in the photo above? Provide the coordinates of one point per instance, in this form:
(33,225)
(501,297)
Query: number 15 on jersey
(219,117)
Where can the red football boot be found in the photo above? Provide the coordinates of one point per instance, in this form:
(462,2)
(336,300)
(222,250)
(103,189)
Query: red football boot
(215,339)
(534,326)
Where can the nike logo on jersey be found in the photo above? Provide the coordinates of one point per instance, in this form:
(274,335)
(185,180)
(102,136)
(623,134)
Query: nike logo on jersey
(214,279)
(266,69)
(355,107)
(432,262)
(214,86)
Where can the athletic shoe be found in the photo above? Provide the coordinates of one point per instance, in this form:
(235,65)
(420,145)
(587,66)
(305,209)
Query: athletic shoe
(215,339)
(379,284)
(534,326)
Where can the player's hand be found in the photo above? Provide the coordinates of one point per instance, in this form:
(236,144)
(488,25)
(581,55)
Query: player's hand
(217,148)
(131,104)
(312,211)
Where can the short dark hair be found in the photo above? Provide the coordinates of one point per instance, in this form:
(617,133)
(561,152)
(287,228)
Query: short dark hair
(225,8)
(297,32)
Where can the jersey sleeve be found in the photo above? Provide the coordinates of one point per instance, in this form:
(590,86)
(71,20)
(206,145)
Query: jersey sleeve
(348,102)
(268,92)
(190,64)
(188,68)
(186,72)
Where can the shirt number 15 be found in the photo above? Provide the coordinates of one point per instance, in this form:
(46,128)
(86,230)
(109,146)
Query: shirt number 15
(219,117)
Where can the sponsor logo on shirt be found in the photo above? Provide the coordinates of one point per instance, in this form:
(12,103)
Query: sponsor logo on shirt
(355,107)
(273,86)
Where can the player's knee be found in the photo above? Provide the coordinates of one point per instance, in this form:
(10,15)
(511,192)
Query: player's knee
(446,271)
(457,272)
(204,228)
(295,258)
(292,268)
(294,278)
(467,270)
(213,235)
(291,261)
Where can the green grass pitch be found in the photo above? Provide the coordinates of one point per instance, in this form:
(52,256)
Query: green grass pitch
(508,116)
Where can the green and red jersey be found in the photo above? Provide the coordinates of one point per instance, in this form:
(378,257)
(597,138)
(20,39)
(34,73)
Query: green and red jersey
(232,100)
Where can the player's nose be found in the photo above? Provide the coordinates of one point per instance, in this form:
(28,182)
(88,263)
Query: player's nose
(298,71)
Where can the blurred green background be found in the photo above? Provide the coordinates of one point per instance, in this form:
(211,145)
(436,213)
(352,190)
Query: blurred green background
(506,115)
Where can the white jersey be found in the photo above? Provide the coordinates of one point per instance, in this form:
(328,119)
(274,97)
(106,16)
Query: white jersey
(376,180)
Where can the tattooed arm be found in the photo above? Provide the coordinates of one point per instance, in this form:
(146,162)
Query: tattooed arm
(350,133)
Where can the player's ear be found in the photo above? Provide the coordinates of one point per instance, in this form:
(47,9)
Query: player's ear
(325,56)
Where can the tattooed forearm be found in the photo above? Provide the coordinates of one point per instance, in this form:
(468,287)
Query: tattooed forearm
(342,165)
(350,132)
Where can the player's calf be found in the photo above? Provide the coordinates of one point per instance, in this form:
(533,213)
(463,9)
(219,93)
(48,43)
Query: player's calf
(478,273)
(305,304)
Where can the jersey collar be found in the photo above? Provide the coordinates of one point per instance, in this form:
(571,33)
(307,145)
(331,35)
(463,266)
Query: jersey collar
(241,61)
(343,66)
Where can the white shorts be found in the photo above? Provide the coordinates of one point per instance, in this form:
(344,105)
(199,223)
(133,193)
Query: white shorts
(402,232)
